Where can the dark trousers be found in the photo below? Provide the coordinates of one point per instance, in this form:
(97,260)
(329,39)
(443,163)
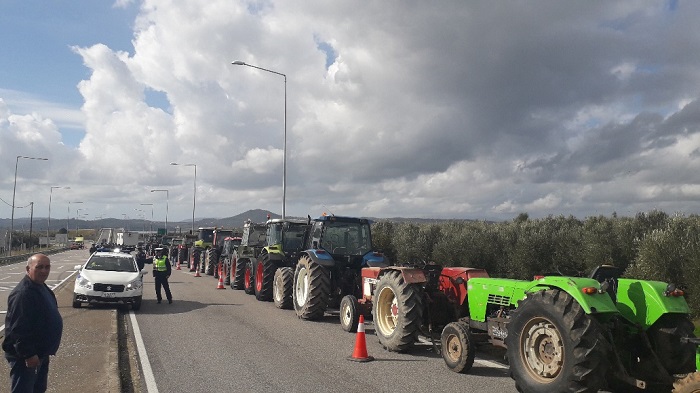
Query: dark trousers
(29,380)
(162,280)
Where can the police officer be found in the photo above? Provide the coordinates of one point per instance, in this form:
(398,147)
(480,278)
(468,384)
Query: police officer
(161,272)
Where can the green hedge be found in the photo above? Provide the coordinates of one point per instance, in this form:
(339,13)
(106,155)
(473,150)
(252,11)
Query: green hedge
(650,246)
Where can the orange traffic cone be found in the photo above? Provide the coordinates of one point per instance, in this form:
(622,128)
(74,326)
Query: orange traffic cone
(221,279)
(360,352)
(178,265)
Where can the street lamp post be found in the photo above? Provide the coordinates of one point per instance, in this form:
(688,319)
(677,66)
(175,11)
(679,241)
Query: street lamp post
(14,192)
(167,197)
(48,226)
(284,155)
(150,226)
(142,216)
(68,217)
(194,193)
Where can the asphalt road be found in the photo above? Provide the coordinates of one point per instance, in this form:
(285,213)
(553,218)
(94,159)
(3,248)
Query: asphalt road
(224,340)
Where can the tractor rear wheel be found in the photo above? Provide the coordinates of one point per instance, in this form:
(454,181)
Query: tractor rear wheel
(554,346)
(264,277)
(282,288)
(311,289)
(689,384)
(458,348)
(249,278)
(349,313)
(397,311)
(665,335)
(237,275)
(211,262)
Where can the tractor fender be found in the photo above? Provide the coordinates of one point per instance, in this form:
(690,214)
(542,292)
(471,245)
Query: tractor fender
(320,256)
(374,259)
(596,303)
(370,278)
(644,302)
(453,282)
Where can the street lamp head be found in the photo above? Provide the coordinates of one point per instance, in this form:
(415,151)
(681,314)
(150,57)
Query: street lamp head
(174,163)
(238,62)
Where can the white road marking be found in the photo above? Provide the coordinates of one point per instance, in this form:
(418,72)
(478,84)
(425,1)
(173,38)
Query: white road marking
(151,386)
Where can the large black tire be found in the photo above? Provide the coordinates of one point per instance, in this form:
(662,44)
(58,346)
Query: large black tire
(264,277)
(554,346)
(689,384)
(398,312)
(665,335)
(312,286)
(212,260)
(76,303)
(282,288)
(136,305)
(458,348)
(238,280)
(202,260)
(226,263)
(349,313)
(249,278)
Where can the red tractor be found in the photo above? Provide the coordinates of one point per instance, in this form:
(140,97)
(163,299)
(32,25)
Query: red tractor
(431,296)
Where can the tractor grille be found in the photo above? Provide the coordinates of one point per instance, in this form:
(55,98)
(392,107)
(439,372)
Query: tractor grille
(499,300)
(109,287)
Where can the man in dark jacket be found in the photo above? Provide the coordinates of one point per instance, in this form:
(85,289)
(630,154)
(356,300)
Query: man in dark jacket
(33,328)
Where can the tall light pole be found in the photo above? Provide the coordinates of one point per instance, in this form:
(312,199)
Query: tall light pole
(194,193)
(142,217)
(48,226)
(14,192)
(284,155)
(167,197)
(150,226)
(68,217)
(77,216)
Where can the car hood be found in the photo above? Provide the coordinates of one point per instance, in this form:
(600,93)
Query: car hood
(101,276)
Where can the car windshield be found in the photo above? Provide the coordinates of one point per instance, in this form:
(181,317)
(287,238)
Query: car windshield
(111,263)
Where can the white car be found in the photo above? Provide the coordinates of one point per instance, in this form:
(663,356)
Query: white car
(109,278)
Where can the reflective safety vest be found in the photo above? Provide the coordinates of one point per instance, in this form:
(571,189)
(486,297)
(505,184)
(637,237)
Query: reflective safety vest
(159,264)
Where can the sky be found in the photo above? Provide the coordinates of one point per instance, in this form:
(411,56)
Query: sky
(453,109)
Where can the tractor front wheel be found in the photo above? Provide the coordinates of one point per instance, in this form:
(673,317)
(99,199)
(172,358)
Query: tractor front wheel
(311,289)
(554,346)
(249,278)
(397,311)
(689,384)
(282,288)
(349,313)
(264,277)
(458,348)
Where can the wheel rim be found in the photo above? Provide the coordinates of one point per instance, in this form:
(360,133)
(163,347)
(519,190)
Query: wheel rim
(302,286)
(278,288)
(387,311)
(542,349)
(453,347)
(258,277)
(346,315)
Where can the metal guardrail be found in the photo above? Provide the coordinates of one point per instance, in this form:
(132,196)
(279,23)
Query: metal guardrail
(24,257)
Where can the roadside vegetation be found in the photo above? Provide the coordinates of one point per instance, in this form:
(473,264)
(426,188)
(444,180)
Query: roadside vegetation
(650,246)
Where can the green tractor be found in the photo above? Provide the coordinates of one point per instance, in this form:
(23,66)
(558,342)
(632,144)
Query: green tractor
(274,268)
(560,334)
(246,255)
(205,236)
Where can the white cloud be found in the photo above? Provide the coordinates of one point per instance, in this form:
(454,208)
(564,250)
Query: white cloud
(453,110)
